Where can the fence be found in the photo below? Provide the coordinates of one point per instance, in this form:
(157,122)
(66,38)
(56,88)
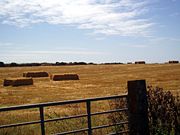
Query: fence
(137,112)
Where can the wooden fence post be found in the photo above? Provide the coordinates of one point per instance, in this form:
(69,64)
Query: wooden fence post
(138,108)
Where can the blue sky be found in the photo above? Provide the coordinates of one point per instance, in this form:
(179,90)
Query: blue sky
(89,30)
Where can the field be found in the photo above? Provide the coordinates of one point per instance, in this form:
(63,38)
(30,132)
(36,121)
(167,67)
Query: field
(95,81)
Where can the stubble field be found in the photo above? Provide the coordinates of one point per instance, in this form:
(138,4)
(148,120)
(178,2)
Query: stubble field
(95,81)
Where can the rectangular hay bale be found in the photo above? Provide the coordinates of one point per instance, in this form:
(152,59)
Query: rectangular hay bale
(58,77)
(18,81)
(7,82)
(35,74)
(140,62)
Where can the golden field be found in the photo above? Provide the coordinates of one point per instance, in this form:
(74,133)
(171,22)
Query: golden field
(95,81)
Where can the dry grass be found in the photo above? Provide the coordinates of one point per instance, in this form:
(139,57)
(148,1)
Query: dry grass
(95,80)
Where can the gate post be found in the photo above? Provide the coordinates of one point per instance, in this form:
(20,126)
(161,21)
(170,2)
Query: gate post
(138,108)
(88,106)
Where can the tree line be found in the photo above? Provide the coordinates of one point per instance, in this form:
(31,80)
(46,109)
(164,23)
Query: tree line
(14,64)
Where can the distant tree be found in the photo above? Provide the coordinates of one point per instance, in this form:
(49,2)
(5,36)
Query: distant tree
(112,63)
(2,64)
(46,64)
(29,64)
(13,64)
(81,63)
(91,63)
(61,63)
(35,64)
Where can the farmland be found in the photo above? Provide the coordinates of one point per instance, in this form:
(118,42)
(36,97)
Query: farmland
(95,81)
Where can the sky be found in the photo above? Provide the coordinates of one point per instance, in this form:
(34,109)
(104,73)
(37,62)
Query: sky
(89,30)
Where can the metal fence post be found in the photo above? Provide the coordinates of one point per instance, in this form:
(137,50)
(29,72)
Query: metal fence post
(138,108)
(88,106)
(41,110)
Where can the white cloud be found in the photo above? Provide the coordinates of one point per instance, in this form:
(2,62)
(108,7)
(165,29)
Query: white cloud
(109,17)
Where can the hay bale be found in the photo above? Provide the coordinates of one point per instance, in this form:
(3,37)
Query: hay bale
(173,62)
(140,62)
(18,81)
(58,77)
(22,81)
(35,74)
(7,82)
(71,76)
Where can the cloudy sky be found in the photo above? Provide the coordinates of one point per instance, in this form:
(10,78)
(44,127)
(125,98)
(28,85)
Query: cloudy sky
(89,30)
